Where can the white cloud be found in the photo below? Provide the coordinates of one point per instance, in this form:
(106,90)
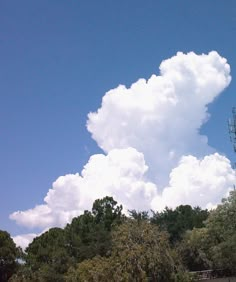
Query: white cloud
(161,117)
(155,155)
(24,240)
(120,174)
(198,182)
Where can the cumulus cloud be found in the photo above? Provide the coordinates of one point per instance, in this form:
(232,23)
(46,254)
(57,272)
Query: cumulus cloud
(161,116)
(198,182)
(120,173)
(154,155)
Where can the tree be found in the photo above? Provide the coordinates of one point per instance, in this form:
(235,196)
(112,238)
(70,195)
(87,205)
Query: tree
(89,235)
(221,229)
(107,212)
(8,256)
(176,222)
(139,215)
(192,250)
(47,257)
(214,245)
(86,238)
(96,269)
(140,252)
(143,252)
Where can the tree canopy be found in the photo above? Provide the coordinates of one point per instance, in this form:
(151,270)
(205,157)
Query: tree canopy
(105,245)
(214,245)
(8,256)
(140,252)
(176,222)
(47,256)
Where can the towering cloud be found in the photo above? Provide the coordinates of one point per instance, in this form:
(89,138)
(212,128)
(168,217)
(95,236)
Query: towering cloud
(161,117)
(154,155)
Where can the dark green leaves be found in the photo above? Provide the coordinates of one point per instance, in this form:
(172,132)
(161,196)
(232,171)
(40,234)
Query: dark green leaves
(8,256)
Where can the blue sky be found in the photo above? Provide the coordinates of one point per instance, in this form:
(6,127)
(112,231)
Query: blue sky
(59,58)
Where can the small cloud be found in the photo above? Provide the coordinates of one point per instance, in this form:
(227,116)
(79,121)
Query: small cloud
(24,240)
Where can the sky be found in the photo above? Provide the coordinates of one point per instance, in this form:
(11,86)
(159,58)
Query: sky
(123,98)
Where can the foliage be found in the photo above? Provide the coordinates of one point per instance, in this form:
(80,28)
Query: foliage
(192,250)
(86,238)
(143,215)
(176,222)
(96,269)
(24,274)
(221,229)
(107,212)
(104,245)
(47,255)
(89,234)
(213,246)
(8,256)
(140,252)
(143,251)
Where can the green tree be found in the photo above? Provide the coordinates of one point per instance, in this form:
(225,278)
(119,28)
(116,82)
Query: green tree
(107,212)
(89,234)
(47,257)
(96,269)
(140,252)
(86,238)
(139,215)
(214,245)
(221,230)
(192,250)
(8,256)
(176,222)
(143,252)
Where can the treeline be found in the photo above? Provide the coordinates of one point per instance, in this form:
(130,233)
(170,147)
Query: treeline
(105,245)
